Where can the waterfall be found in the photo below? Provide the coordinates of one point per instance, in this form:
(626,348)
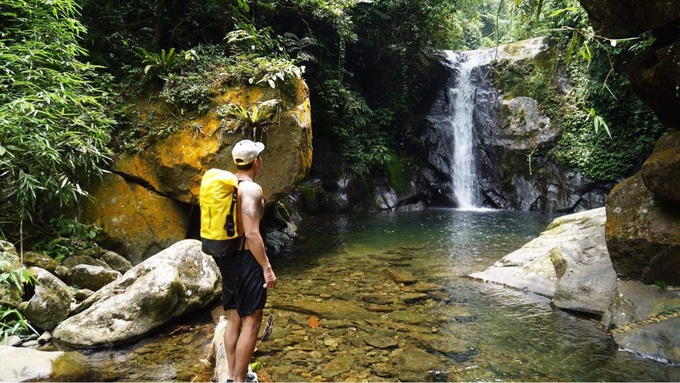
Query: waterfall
(457,125)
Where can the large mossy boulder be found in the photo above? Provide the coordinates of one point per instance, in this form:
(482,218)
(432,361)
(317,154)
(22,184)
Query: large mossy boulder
(174,166)
(136,221)
(643,234)
(170,284)
(661,171)
(148,201)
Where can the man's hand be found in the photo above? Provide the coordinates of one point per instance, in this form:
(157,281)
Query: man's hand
(269,278)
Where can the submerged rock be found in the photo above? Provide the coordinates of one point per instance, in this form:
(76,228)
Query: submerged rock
(328,309)
(414,364)
(659,340)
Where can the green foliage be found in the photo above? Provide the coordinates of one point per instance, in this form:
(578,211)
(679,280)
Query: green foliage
(299,47)
(661,284)
(599,121)
(255,118)
(195,82)
(357,128)
(66,237)
(632,129)
(13,323)
(159,63)
(606,130)
(53,130)
(15,277)
(247,39)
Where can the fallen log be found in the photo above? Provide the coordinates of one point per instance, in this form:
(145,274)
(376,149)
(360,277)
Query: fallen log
(218,352)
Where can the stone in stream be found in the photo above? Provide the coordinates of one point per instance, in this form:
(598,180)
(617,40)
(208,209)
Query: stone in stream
(401,276)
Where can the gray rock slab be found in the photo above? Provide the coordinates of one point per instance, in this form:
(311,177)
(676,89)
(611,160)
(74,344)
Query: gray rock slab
(172,283)
(24,364)
(568,262)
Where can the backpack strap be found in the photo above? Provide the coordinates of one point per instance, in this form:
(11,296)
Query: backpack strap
(229,225)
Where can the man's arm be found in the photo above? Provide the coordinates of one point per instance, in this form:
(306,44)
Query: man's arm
(252,210)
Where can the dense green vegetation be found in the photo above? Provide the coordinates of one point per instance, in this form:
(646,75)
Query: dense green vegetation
(364,61)
(53,131)
(68,71)
(606,130)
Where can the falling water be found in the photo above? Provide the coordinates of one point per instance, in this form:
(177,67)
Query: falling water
(459,121)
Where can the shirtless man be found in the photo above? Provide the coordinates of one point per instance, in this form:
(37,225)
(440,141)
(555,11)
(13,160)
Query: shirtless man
(247,275)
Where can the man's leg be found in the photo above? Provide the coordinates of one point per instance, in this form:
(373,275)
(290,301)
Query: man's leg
(245,346)
(231,335)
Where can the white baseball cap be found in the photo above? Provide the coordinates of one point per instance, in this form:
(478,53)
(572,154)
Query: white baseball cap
(246,151)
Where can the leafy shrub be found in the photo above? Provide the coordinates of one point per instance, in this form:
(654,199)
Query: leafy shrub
(53,129)
(358,129)
(66,237)
(160,63)
(13,323)
(11,320)
(195,83)
(255,118)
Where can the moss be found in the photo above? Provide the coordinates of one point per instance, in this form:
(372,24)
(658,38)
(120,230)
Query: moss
(71,367)
(397,174)
(558,262)
(309,197)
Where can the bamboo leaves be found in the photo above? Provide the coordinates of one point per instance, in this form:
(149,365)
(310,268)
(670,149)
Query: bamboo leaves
(598,122)
(53,130)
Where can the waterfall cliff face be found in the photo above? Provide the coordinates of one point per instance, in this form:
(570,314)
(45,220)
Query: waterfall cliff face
(488,149)
(453,118)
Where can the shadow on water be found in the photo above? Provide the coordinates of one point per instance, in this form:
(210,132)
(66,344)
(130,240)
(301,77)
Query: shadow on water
(384,297)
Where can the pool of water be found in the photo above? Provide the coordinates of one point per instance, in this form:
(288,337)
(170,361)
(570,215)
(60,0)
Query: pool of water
(342,315)
(505,334)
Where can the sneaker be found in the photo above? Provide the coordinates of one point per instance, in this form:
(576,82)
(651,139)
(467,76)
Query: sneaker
(251,377)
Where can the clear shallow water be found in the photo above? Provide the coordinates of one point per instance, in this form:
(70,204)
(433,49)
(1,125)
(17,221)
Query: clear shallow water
(489,333)
(512,335)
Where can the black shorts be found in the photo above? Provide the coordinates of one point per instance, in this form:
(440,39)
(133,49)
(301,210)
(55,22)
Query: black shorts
(242,283)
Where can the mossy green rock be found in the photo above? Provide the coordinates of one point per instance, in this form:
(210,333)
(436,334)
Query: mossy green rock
(643,234)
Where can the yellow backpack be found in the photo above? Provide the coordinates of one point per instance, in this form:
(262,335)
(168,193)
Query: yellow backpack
(217,198)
